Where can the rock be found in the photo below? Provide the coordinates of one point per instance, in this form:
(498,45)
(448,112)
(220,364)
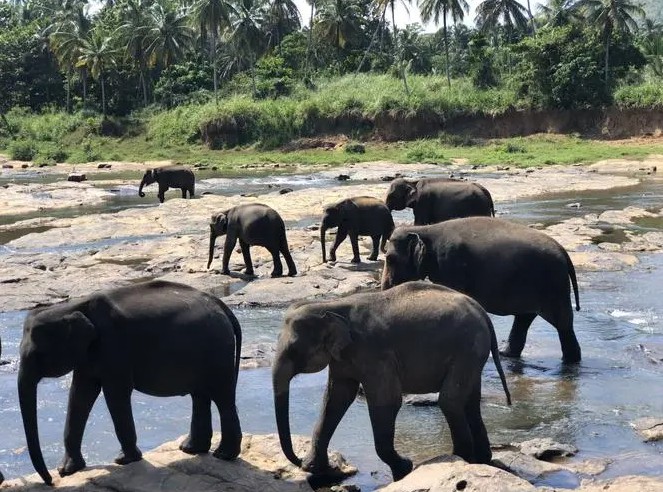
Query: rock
(7,166)
(650,428)
(76,177)
(574,205)
(523,465)
(628,483)
(342,177)
(545,448)
(260,466)
(449,473)
(503,168)
(283,191)
(425,400)
(24,166)
(387,178)
(104,165)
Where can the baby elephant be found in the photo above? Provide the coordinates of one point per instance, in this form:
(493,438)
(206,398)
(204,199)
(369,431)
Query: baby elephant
(160,338)
(253,224)
(415,338)
(508,268)
(169,177)
(358,216)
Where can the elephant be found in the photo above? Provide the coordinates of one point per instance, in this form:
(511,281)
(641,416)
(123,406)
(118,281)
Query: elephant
(160,338)
(169,177)
(254,224)
(358,216)
(438,199)
(510,269)
(2,478)
(415,338)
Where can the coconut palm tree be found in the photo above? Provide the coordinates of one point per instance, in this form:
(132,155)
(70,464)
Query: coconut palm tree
(246,34)
(433,9)
(282,18)
(97,54)
(213,16)
(610,16)
(559,13)
(492,13)
(169,34)
(134,30)
(391,4)
(338,22)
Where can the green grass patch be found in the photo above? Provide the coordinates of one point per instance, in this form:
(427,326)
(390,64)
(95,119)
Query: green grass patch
(647,96)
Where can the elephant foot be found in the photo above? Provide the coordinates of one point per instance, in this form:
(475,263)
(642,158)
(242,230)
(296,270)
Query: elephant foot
(126,458)
(249,272)
(228,452)
(573,358)
(373,258)
(401,469)
(507,352)
(292,273)
(189,446)
(355,260)
(316,467)
(277,274)
(71,465)
(225,271)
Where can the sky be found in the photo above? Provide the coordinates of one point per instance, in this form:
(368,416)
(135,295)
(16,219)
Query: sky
(403,18)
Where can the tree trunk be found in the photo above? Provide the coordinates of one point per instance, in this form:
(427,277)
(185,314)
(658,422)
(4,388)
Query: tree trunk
(253,77)
(103,94)
(446,44)
(143,82)
(69,91)
(309,48)
(607,57)
(370,45)
(214,67)
(531,17)
(84,79)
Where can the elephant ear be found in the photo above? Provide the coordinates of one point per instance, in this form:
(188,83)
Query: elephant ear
(338,336)
(412,195)
(80,331)
(417,254)
(219,222)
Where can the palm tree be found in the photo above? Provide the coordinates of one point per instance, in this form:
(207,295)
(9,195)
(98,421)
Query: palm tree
(559,13)
(432,9)
(97,54)
(610,16)
(384,4)
(246,33)
(282,18)
(338,22)
(169,34)
(134,34)
(309,45)
(490,13)
(213,16)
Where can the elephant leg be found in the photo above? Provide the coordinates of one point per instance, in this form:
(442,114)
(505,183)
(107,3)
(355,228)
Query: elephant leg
(162,192)
(354,241)
(341,234)
(383,406)
(228,247)
(562,320)
(82,395)
(285,251)
(376,247)
(482,452)
(118,400)
(518,335)
(339,395)
(183,192)
(246,253)
(278,266)
(192,190)
(231,430)
(453,398)
(200,436)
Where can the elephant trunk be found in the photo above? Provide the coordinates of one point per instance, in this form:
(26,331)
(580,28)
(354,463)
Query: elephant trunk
(387,278)
(27,397)
(281,381)
(212,241)
(323,231)
(140,188)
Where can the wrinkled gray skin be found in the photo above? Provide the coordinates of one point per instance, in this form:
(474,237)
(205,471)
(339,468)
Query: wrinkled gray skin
(509,268)
(160,338)
(414,338)
(253,224)
(435,200)
(169,177)
(358,216)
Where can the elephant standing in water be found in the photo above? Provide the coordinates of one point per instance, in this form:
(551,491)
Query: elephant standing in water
(415,338)
(509,268)
(169,177)
(358,216)
(438,199)
(160,338)
(253,224)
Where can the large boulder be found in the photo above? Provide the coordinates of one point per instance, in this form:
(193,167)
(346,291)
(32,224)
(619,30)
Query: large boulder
(260,466)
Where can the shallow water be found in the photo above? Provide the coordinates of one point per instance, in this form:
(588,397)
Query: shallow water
(591,407)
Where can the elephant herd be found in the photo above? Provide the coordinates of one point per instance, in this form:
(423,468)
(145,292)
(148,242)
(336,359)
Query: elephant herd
(165,339)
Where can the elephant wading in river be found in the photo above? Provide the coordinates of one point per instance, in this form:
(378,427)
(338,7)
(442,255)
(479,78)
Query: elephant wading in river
(169,177)
(415,338)
(253,224)
(438,199)
(358,216)
(509,268)
(160,338)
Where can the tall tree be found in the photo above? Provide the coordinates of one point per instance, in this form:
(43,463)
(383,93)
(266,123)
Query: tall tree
(246,33)
(134,32)
(492,13)
(433,9)
(610,16)
(282,18)
(559,13)
(97,54)
(338,22)
(169,34)
(213,16)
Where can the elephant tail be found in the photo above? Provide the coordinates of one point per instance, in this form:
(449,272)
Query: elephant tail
(237,330)
(496,359)
(489,197)
(572,274)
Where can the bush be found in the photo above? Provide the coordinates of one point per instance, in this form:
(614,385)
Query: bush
(355,148)
(425,151)
(52,153)
(22,150)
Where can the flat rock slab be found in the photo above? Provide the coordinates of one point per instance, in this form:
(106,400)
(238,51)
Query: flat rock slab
(650,428)
(545,448)
(630,483)
(260,466)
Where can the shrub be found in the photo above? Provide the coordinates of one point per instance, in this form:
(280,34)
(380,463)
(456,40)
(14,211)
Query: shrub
(425,151)
(22,150)
(355,148)
(52,153)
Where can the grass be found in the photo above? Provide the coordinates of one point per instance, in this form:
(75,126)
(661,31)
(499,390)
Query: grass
(647,95)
